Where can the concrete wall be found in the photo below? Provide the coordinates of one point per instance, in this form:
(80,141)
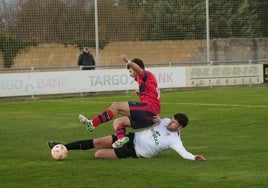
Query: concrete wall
(47,55)
(239,49)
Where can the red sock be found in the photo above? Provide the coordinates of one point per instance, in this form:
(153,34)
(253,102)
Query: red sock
(120,131)
(107,115)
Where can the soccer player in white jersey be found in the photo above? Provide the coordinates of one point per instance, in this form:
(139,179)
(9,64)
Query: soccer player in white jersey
(163,135)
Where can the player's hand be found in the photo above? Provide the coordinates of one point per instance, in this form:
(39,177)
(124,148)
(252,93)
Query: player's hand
(156,119)
(199,158)
(137,92)
(123,58)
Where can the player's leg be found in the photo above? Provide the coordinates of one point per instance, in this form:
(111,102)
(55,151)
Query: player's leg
(105,154)
(80,145)
(140,117)
(104,142)
(120,125)
(76,145)
(127,151)
(116,108)
(98,143)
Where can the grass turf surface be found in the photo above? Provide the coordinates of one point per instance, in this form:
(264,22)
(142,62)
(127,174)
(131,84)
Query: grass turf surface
(227,125)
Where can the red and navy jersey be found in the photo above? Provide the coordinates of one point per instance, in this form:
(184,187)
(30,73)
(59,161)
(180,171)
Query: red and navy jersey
(149,91)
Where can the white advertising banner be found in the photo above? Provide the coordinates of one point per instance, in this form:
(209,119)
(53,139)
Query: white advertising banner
(224,75)
(41,83)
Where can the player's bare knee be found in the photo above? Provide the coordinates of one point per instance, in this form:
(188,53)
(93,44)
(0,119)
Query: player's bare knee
(120,107)
(97,143)
(114,106)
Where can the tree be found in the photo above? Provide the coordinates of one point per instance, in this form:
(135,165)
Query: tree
(54,21)
(10,46)
(235,19)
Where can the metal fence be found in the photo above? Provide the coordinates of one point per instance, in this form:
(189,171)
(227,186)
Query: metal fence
(52,33)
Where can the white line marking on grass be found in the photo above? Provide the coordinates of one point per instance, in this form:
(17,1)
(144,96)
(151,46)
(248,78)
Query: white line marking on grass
(193,104)
(227,105)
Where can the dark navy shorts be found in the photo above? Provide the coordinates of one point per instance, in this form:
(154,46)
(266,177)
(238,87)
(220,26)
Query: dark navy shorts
(127,151)
(140,116)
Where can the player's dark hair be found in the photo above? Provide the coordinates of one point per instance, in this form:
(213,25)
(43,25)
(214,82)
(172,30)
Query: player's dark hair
(138,62)
(181,118)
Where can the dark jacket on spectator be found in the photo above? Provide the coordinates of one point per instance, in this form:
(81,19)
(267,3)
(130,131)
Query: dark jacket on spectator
(86,59)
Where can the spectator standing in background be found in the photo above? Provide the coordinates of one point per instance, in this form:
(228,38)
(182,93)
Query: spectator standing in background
(85,60)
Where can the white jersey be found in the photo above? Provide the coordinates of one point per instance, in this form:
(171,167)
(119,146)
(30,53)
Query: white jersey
(150,142)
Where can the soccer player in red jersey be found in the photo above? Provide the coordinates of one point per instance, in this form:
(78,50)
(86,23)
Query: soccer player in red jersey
(135,114)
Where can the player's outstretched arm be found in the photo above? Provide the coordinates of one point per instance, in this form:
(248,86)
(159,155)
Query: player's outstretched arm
(199,158)
(134,66)
(124,58)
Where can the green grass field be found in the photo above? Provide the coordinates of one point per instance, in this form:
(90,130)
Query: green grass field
(227,125)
